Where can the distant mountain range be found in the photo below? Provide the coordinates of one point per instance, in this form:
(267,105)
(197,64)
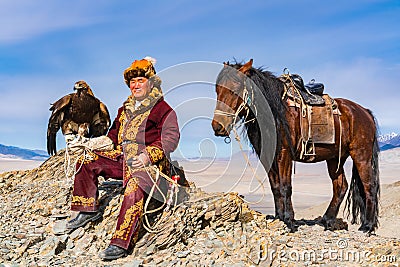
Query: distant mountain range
(386,142)
(12,152)
(389,141)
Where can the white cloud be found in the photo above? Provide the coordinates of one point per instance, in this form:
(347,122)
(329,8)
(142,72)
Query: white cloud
(24,19)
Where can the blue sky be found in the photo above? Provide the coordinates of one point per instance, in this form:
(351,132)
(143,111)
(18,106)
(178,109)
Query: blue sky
(353,47)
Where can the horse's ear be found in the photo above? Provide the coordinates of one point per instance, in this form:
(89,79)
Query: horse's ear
(245,68)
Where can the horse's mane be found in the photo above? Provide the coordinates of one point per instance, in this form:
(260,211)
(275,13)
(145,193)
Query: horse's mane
(272,89)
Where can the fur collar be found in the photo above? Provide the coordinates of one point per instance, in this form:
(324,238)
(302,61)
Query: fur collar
(148,102)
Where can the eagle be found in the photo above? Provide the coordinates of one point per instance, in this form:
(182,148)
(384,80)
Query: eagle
(79,113)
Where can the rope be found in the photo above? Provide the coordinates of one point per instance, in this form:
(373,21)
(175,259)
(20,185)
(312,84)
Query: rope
(305,111)
(340,143)
(244,105)
(71,168)
(252,169)
(146,223)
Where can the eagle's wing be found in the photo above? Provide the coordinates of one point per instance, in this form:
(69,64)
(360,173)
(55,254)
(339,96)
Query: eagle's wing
(105,116)
(57,116)
(101,121)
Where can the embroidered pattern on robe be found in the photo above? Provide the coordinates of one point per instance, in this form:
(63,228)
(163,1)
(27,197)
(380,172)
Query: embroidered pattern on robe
(87,157)
(132,186)
(131,215)
(155,154)
(83,201)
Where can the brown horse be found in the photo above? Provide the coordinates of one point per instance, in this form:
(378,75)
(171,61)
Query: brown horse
(241,90)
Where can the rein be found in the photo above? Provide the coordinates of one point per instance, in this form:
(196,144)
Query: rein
(237,137)
(248,101)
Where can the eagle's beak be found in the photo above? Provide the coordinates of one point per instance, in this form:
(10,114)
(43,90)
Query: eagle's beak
(78,87)
(78,90)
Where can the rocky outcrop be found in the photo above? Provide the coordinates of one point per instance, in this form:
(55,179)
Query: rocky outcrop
(206,229)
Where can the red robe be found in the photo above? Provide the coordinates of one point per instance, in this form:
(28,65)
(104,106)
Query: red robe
(152,130)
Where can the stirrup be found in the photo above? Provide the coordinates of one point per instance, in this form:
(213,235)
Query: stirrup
(310,148)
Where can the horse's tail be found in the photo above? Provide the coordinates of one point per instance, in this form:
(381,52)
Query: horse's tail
(355,202)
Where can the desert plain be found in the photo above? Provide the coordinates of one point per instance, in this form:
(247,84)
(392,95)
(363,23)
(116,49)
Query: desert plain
(312,189)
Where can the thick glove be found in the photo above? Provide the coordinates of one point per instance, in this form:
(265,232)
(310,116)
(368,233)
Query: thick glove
(139,161)
(101,143)
(75,146)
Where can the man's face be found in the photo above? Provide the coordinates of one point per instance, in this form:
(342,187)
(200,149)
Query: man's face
(140,87)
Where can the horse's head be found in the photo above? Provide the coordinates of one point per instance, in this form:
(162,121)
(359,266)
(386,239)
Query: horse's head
(230,88)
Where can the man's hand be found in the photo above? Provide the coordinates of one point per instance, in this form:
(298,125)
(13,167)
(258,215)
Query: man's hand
(139,161)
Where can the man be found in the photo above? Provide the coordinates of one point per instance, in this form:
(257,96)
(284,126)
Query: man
(143,135)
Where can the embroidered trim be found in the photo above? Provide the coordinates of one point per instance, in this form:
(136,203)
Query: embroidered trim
(132,186)
(131,214)
(131,149)
(127,172)
(122,119)
(154,95)
(155,154)
(112,154)
(148,170)
(87,158)
(83,201)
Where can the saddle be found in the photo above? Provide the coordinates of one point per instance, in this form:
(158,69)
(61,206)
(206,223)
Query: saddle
(311,92)
(315,88)
(317,113)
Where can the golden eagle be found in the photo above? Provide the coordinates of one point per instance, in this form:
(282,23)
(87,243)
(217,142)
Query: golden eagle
(77,113)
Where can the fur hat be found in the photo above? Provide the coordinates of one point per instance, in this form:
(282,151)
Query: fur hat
(140,68)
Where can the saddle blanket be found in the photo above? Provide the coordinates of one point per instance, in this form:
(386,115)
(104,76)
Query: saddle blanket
(320,123)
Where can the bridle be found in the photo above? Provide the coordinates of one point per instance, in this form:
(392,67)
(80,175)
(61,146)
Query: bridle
(247,103)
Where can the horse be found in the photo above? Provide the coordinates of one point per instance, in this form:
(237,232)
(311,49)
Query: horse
(238,88)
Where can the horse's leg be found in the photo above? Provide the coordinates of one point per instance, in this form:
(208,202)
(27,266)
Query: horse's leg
(365,193)
(340,186)
(285,174)
(274,182)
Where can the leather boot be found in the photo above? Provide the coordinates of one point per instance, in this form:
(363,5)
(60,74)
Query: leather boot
(113,253)
(82,219)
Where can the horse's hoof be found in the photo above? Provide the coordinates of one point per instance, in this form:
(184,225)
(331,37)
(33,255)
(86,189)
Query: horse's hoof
(292,227)
(363,228)
(270,217)
(334,224)
(368,229)
(327,223)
